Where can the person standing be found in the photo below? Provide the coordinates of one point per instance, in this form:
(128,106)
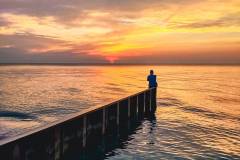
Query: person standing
(152,80)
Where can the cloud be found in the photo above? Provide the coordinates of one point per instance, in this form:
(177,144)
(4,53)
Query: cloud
(232,19)
(16,55)
(4,22)
(29,48)
(194,57)
(65,11)
(96,30)
(27,41)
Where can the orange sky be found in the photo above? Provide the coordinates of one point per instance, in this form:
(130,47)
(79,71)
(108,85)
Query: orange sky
(153,31)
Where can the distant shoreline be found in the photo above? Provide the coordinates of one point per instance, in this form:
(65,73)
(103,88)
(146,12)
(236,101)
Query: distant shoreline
(115,64)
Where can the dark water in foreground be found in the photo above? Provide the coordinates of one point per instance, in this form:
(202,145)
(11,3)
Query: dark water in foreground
(198,114)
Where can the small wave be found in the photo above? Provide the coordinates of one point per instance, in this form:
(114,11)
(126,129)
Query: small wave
(193,89)
(55,111)
(166,102)
(111,84)
(2,137)
(17,115)
(206,113)
(115,89)
(225,100)
(72,90)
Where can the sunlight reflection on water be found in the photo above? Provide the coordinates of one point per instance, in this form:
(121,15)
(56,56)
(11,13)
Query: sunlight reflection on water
(197,116)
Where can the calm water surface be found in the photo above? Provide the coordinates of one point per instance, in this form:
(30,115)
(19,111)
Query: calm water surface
(198,114)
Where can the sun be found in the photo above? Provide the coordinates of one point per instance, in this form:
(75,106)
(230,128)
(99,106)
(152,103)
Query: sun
(112,59)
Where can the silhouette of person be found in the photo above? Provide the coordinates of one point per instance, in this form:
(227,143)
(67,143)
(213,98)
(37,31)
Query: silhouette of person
(152,80)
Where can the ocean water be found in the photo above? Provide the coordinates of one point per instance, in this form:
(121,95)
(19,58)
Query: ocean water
(197,117)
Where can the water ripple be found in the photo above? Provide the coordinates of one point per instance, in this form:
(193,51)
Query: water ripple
(209,114)
(166,102)
(197,115)
(17,115)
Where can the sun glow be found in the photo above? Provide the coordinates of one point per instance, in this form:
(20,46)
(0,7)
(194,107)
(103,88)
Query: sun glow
(161,29)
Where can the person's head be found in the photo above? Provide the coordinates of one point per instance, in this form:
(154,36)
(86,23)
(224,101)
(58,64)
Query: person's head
(151,71)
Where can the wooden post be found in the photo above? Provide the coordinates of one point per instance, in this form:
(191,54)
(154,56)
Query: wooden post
(137,106)
(144,102)
(150,100)
(84,130)
(129,106)
(104,121)
(57,143)
(118,113)
(16,153)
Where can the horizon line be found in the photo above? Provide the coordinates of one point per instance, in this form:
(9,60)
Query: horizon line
(122,64)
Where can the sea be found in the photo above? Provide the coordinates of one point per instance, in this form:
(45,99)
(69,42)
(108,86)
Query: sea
(198,106)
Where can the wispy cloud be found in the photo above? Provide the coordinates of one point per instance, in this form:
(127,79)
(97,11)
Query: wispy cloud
(116,30)
(4,22)
(229,20)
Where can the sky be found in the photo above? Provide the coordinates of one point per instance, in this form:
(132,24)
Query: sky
(120,31)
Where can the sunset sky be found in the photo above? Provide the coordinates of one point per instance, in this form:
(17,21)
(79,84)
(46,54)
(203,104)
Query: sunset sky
(120,31)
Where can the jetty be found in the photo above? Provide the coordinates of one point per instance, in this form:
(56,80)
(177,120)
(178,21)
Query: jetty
(80,132)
